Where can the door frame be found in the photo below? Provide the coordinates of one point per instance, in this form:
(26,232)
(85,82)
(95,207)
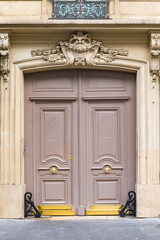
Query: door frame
(143,121)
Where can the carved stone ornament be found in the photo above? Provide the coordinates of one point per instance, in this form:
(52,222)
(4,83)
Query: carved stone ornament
(4,56)
(155,52)
(79,50)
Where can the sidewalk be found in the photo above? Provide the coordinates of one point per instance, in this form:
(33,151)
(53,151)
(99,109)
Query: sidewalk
(80,228)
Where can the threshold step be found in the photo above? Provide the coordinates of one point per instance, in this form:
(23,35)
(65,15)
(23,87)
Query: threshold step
(103,210)
(106,207)
(56,210)
(55,207)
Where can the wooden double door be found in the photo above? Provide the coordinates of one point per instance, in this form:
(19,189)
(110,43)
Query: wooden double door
(79,140)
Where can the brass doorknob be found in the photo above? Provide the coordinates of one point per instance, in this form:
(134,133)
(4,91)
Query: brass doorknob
(107,169)
(53,169)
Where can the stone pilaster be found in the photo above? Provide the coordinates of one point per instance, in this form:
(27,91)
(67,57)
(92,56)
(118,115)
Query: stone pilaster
(150,188)
(153,110)
(11,190)
(4,109)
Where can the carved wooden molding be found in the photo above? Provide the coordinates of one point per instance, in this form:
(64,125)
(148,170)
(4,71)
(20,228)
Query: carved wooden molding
(4,55)
(79,50)
(155,52)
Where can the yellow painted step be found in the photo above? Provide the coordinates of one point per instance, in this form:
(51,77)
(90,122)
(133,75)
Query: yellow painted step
(101,210)
(56,210)
(99,207)
(55,207)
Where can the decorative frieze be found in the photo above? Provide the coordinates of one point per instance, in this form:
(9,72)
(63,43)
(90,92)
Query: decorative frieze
(4,55)
(79,50)
(155,52)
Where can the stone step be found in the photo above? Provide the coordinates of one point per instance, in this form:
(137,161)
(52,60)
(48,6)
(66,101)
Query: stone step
(102,210)
(56,210)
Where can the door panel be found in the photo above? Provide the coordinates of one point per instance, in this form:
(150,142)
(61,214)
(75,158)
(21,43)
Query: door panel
(106,83)
(52,148)
(107,190)
(54,191)
(53,134)
(106,135)
(57,82)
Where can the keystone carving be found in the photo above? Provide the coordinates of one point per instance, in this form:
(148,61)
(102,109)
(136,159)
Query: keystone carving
(155,52)
(4,56)
(79,50)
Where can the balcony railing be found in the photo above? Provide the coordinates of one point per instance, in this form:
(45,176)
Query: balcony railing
(80,9)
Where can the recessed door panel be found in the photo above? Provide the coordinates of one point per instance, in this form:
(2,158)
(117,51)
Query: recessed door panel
(52,147)
(106,190)
(54,191)
(54,134)
(106,133)
(106,141)
(105,83)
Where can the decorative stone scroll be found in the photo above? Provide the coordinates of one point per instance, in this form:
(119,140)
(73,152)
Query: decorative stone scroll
(79,50)
(155,52)
(4,55)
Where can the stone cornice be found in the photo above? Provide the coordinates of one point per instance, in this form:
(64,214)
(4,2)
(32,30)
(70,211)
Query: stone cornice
(22,21)
(103,27)
(4,55)
(155,58)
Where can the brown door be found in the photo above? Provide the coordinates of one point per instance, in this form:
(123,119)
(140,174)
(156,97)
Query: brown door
(110,139)
(79,140)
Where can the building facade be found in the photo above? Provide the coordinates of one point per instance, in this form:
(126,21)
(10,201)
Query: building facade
(79,109)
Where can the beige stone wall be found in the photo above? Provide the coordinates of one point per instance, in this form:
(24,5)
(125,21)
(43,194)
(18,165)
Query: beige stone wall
(128,29)
(22,41)
(20,9)
(135,9)
(42,9)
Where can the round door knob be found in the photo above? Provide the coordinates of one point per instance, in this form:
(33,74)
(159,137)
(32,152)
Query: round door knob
(53,169)
(107,169)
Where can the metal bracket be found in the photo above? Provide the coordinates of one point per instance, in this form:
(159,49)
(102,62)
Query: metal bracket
(29,207)
(130,205)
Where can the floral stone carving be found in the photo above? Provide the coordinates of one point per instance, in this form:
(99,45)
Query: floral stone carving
(155,52)
(4,55)
(79,50)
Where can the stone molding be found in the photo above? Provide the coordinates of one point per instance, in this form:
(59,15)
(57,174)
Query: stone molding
(155,59)
(79,50)
(4,55)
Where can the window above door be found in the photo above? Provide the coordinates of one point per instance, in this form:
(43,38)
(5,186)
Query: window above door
(80,9)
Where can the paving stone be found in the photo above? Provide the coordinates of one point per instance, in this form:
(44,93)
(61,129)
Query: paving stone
(80,228)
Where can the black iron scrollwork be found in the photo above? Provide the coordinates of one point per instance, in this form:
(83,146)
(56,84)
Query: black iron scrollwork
(130,205)
(29,207)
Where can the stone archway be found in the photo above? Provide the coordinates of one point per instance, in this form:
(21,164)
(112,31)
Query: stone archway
(32,65)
